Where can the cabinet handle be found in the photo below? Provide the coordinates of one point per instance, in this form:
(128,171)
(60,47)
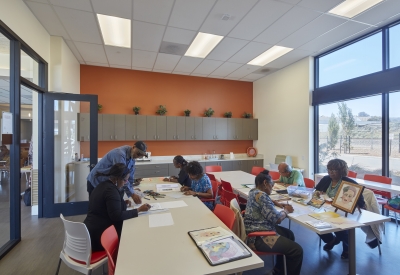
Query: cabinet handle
(110,137)
(177,137)
(88,138)
(216,137)
(158,137)
(137,136)
(115,137)
(155,137)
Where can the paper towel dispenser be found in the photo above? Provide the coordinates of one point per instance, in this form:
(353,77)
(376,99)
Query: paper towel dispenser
(283,158)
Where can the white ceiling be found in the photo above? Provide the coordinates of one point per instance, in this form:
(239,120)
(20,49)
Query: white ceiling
(253,27)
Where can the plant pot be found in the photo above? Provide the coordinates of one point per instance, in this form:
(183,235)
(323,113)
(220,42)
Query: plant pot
(136,113)
(187,114)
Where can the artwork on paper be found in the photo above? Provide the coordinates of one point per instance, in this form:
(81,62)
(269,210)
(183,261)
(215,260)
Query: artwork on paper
(347,196)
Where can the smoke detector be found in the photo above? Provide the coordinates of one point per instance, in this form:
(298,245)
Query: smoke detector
(225,17)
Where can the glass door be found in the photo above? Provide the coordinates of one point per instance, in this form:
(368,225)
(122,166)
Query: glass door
(69,150)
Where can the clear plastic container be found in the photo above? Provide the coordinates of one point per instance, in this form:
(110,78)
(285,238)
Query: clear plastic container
(300,192)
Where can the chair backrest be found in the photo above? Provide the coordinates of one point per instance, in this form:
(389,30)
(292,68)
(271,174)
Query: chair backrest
(256,170)
(274,175)
(214,185)
(109,240)
(77,243)
(226,197)
(235,204)
(351,174)
(227,186)
(214,168)
(381,179)
(309,183)
(211,176)
(225,214)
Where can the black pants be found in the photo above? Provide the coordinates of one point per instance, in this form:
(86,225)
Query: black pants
(90,188)
(287,246)
(342,236)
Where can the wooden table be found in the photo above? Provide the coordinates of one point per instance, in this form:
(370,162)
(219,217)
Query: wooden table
(237,178)
(169,249)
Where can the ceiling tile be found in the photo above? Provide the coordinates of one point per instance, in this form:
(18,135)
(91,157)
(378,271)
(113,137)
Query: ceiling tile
(92,52)
(237,9)
(40,1)
(48,18)
(180,73)
(243,71)
(259,18)
(319,26)
(120,67)
(180,36)
(190,14)
(162,71)
(81,25)
(289,58)
(199,75)
(118,56)
(187,64)
(146,36)
(166,62)
(225,69)
(143,59)
(320,5)
(74,50)
(249,52)
(227,48)
(118,8)
(231,78)
(298,17)
(152,11)
(97,64)
(380,12)
(207,66)
(293,2)
(142,69)
(252,77)
(83,5)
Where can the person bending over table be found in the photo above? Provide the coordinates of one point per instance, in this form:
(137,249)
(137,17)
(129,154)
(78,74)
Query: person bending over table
(261,215)
(201,184)
(107,207)
(183,177)
(288,176)
(337,172)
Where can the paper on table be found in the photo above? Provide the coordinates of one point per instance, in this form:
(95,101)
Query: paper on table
(324,215)
(154,206)
(173,204)
(343,222)
(161,220)
(168,187)
(175,195)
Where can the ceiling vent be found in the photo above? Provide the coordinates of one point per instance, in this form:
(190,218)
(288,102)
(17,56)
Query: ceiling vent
(264,71)
(173,48)
(225,17)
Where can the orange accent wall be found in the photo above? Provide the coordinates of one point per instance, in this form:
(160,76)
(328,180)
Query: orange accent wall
(119,90)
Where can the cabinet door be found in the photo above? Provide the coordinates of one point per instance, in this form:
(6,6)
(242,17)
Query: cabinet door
(180,128)
(151,127)
(130,127)
(221,128)
(171,127)
(141,126)
(99,127)
(161,128)
(226,165)
(231,128)
(108,127)
(239,128)
(172,171)
(248,165)
(254,129)
(236,165)
(84,127)
(259,162)
(198,128)
(246,128)
(208,128)
(119,127)
(189,128)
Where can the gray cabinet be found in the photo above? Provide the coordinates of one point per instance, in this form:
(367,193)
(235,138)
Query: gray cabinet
(113,127)
(226,165)
(156,128)
(83,133)
(100,127)
(234,129)
(215,128)
(251,163)
(250,129)
(172,171)
(176,128)
(239,165)
(194,128)
(151,170)
(135,127)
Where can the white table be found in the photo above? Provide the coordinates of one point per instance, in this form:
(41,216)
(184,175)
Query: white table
(169,249)
(237,178)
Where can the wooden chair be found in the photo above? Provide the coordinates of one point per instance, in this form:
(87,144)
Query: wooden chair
(385,195)
(309,183)
(109,240)
(214,168)
(257,170)
(225,214)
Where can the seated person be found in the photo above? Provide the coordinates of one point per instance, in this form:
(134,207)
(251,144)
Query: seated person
(261,215)
(201,184)
(337,171)
(107,207)
(183,177)
(289,176)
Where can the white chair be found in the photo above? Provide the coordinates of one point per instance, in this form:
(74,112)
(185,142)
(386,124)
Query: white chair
(77,249)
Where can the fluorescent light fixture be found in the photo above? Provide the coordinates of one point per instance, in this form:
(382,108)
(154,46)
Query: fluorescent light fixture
(351,8)
(116,31)
(269,55)
(203,44)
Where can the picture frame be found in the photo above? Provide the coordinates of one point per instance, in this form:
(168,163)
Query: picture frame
(347,196)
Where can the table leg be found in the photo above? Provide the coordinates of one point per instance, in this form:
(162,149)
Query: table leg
(352,251)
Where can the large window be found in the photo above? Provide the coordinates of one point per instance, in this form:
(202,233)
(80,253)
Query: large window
(394,137)
(394,46)
(360,58)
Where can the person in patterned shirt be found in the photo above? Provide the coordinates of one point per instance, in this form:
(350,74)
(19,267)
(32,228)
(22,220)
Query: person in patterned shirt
(261,215)
(201,184)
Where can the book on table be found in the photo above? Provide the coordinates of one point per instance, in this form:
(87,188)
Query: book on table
(319,224)
(316,202)
(218,245)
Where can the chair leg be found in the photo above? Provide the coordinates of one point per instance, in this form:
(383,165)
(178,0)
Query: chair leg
(90,272)
(319,242)
(395,217)
(284,265)
(379,247)
(58,267)
(289,223)
(104,271)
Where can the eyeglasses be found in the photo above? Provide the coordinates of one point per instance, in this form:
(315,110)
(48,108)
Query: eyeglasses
(333,170)
(125,180)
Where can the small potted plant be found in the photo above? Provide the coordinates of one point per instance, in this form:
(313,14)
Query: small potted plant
(228,114)
(187,112)
(209,112)
(136,110)
(162,110)
(99,107)
(247,115)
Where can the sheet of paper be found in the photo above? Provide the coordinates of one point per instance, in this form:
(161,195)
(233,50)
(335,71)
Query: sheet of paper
(152,212)
(176,195)
(161,220)
(154,206)
(173,204)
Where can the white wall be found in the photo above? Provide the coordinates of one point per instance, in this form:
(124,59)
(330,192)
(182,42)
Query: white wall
(281,102)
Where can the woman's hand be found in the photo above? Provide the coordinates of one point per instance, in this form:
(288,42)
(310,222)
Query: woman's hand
(189,192)
(166,179)
(143,208)
(173,177)
(128,203)
(288,208)
(184,188)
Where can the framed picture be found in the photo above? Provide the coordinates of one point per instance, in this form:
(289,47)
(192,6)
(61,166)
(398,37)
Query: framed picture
(347,196)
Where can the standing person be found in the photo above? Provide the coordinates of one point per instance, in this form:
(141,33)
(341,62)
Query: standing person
(124,154)
(289,176)
(107,207)
(183,176)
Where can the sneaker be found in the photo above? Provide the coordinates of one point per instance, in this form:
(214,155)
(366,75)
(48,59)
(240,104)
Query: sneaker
(330,245)
(345,255)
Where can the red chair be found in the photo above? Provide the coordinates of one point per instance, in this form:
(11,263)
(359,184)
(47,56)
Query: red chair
(395,211)
(351,174)
(225,214)
(109,240)
(257,170)
(226,196)
(274,175)
(309,183)
(214,185)
(214,168)
(385,195)
(228,187)
(211,176)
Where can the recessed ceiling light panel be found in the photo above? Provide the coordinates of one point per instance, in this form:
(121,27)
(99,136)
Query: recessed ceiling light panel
(351,8)
(116,31)
(269,55)
(203,44)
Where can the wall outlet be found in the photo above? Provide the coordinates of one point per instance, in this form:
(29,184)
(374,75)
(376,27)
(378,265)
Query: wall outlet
(302,157)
